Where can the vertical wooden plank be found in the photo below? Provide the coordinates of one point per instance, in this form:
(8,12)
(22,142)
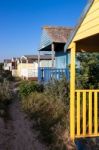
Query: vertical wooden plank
(95,112)
(78,114)
(72,92)
(90,112)
(53,55)
(84,113)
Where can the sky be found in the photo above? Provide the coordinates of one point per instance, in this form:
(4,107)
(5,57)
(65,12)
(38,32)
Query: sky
(21,22)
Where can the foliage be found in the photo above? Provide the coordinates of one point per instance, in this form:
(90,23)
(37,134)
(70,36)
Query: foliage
(6,75)
(27,87)
(49,116)
(50,109)
(59,90)
(88,76)
(5,91)
(5,96)
(50,112)
(1,66)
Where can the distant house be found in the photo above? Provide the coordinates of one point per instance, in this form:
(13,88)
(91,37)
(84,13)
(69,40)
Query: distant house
(8,64)
(53,40)
(26,67)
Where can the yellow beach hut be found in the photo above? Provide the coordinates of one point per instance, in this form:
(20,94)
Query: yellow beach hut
(85,37)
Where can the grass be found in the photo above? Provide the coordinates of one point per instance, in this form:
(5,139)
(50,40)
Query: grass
(49,111)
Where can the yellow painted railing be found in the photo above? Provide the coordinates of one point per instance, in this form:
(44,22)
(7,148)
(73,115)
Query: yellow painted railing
(86,114)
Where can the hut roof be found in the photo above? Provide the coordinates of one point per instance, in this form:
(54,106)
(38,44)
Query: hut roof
(58,34)
(7,61)
(83,15)
(35,57)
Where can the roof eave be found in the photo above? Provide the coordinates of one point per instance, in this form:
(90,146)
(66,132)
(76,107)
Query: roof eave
(86,9)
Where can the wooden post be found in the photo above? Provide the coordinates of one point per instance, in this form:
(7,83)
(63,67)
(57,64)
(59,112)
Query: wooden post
(72,92)
(53,55)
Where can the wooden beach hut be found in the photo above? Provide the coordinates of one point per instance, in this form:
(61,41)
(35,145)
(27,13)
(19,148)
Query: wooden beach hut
(84,38)
(53,40)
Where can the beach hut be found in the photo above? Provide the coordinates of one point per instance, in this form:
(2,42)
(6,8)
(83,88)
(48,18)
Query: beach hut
(84,38)
(53,40)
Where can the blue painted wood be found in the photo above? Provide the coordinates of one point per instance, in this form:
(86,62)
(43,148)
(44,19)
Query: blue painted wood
(60,59)
(45,40)
(47,74)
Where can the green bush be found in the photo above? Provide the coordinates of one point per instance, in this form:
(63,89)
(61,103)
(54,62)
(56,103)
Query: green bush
(27,87)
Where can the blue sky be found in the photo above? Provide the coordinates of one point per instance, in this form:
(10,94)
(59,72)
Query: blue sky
(21,22)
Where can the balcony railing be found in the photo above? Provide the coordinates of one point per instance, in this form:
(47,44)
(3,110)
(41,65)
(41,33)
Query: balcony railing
(47,74)
(86,114)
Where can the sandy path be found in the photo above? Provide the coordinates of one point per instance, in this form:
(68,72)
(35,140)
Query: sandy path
(16,132)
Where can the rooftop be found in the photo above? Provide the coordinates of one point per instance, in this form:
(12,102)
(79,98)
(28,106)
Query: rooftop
(35,57)
(7,61)
(58,34)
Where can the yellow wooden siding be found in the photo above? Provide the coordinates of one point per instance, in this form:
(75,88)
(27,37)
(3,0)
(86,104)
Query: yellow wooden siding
(90,24)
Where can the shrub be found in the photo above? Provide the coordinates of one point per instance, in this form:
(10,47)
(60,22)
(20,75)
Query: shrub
(49,116)
(27,87)
(59,90)
(50,112)
(1,66)
(5,96)
(6,75)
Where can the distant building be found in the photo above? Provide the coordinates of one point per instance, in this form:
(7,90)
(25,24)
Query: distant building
(8,64)
(26,67)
